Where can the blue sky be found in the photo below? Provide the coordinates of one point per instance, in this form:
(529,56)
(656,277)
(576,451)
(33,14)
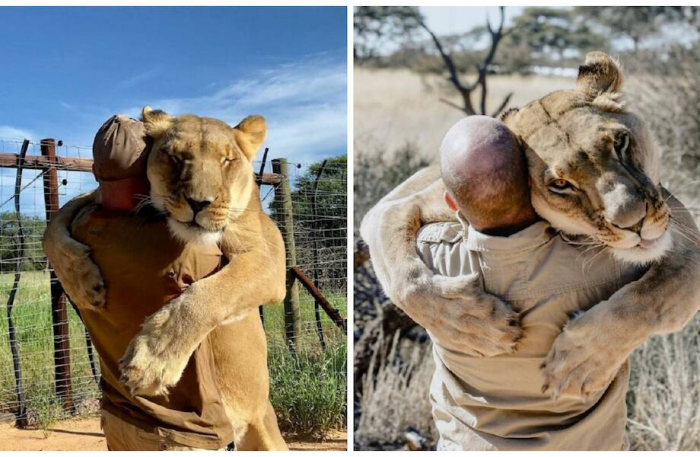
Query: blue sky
(65,70)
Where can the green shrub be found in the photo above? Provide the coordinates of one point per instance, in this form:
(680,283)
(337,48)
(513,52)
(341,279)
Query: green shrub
(309,391)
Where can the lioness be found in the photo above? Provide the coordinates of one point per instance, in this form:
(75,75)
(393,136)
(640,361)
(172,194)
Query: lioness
(201,176)
(594,172)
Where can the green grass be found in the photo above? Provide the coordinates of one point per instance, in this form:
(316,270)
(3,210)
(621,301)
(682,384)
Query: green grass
(308,391)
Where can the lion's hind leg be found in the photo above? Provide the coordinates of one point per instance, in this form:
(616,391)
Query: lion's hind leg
(262,434)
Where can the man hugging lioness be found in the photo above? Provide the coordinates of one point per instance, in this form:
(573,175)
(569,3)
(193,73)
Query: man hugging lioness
(486,403)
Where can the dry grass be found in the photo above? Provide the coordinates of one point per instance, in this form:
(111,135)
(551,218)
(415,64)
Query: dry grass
(664,395)
(397,398)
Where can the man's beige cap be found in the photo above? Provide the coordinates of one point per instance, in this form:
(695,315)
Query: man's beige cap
(120,149)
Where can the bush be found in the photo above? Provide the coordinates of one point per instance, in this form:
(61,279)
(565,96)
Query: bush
(309,391)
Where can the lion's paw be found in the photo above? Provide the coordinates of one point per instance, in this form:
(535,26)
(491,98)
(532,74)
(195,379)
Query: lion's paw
(82,280)
(462,317)
(145,373)
(580,363)
(155,358)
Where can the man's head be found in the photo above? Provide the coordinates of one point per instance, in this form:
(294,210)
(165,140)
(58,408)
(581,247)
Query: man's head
(485,173)
(120,155)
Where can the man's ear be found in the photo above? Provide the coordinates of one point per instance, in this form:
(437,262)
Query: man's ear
(250,135)
(156,121)
(451,202)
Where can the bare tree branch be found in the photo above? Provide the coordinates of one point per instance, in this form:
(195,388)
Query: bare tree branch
(503,105)
(466,91)
(453,105)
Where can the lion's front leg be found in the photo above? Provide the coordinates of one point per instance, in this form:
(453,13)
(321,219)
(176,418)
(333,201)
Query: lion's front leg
(587,355)
(77,273)
(459,314)
(157,356)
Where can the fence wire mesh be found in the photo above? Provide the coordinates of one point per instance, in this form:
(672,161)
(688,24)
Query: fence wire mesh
(313,371)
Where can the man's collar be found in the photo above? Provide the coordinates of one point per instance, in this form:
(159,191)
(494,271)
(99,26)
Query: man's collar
(531,237)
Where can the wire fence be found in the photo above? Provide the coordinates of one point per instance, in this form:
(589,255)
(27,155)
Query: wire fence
(306,334)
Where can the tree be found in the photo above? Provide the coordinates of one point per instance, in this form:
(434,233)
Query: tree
(375,25)
(327,229)
(633,22)
(547,31)
(373,22)
(33,227)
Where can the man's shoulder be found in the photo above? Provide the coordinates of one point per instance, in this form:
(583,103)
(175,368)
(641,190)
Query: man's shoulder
(441,232)
(441,247)
(94,223)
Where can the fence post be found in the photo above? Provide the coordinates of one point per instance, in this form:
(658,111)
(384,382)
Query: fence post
(314,215)
(59,312)
(285,216)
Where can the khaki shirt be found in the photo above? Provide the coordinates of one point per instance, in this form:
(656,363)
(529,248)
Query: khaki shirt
(144,268)
(486,403)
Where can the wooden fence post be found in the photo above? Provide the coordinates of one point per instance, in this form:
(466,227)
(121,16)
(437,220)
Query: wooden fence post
(285,216)
(314,215)
(59,312)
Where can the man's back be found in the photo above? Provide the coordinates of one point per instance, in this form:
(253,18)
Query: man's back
(144,269)
(498,401)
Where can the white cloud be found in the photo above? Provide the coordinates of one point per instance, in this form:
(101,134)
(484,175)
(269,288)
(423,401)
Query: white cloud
(10,133)
(139,78)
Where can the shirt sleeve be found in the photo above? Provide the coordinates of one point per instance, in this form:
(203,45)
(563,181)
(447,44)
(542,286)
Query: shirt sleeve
(436,246)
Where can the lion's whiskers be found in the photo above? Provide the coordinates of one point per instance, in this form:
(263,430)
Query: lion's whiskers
(590,262)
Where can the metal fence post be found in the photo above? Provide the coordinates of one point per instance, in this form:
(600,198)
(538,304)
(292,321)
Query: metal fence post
(285,216)
(59,312)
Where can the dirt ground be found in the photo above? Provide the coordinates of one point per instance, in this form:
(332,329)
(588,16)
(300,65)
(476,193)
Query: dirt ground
(85,435)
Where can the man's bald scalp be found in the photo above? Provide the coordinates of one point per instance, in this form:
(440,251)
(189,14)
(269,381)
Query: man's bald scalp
(485,171)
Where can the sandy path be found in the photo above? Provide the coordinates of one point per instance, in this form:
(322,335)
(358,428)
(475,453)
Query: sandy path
(85,435)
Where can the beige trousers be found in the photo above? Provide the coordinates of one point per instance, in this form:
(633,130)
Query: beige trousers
(122,436)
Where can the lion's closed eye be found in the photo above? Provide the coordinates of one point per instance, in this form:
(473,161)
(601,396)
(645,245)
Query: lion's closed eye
(621,145)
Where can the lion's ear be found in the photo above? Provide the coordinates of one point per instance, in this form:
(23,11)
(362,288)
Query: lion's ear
(600,74)
(250,135)
(157,122)
(507,115)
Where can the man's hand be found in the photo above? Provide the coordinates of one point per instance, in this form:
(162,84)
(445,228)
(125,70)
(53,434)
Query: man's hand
(459,315)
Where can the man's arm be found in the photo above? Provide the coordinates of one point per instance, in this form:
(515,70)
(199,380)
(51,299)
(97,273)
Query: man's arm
(587,355)
(456,310)
(78,274)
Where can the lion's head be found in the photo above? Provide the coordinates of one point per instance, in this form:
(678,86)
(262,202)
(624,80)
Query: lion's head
(594,166)
(200,170)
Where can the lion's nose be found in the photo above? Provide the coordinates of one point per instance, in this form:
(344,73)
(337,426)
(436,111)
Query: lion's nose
(197,205)
(632,219)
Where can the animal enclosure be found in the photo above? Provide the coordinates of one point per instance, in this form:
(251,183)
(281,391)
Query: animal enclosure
(48,368)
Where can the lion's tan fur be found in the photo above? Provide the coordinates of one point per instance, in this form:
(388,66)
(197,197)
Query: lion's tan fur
(201,159)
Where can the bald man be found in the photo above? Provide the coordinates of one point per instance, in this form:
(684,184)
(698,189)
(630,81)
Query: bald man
(497,403)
